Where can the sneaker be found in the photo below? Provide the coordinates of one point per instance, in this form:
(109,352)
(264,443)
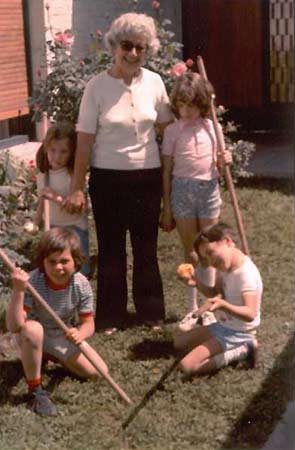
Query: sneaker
(41,404)
(190,321)
(246,352)
(156,325)
(110,330)
(208,317)
(252,357)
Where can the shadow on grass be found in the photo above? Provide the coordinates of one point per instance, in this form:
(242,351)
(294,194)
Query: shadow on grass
(11,373)
(284,185)
(267,407)
(151,349)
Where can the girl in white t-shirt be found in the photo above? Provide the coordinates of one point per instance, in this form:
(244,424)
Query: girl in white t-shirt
(235,297)
(55,161)
(191,160)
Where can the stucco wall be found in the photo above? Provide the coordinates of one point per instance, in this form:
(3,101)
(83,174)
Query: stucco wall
(85,17)
(90,15)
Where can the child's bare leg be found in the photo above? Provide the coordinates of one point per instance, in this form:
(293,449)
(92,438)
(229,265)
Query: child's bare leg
(30,340)
(79,364)
(208,273)
(200,360)
(185,341)
(187,230)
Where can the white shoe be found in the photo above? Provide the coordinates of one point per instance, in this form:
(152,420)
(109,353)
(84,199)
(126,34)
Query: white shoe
(208,317)
(189,321)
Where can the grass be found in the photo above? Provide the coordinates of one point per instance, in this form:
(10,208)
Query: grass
(233,409)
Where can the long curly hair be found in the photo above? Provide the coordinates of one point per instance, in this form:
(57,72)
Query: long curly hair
(61,130)
(190,88)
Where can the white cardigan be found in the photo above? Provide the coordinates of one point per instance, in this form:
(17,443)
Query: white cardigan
(122,118)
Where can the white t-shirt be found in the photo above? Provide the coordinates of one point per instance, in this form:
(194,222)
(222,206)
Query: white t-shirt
(244,279)
(122,118)
(60,182)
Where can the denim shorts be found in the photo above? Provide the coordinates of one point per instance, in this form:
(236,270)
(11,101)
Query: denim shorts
(192,198)
(228,338)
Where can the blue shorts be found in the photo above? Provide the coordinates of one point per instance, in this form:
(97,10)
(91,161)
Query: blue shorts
(192,198)
(228,338)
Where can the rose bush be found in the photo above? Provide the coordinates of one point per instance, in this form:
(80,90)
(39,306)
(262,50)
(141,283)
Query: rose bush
(18,202)
(59,94)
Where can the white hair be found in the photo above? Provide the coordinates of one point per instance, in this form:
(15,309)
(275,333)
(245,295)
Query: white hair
(133,24)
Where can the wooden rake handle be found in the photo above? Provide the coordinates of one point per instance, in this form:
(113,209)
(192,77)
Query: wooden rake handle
(46,214)
(205,307)
(83,346)
(227,173)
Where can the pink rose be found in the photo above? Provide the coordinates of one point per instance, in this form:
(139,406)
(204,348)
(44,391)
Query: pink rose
(65,38)
(155,4)
(189,62)
(178,69)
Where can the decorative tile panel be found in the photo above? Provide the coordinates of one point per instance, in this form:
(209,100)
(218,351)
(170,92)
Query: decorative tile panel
(281,15)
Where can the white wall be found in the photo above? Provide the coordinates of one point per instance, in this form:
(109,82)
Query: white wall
(85,17)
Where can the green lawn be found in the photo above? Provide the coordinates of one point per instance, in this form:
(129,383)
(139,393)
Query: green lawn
(236,408)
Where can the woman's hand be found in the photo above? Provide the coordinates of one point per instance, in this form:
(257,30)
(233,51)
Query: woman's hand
(167,223)
(75,202)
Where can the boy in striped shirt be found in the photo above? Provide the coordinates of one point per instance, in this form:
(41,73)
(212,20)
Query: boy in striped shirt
(58,280)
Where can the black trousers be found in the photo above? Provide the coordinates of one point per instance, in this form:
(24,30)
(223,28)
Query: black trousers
(127,200)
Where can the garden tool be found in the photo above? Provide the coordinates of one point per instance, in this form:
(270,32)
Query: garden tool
(227,173)
(205,307)
(46,207)
(83,346)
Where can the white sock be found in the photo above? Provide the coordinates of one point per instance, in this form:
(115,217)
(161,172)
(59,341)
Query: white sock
(207,275)
(235,354)
(192,298)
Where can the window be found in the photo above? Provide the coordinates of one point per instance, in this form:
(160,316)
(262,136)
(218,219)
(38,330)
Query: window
(13,65)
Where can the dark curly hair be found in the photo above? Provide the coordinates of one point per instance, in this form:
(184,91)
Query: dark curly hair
(58,239)
(190,88)
(214,233)
(61,130)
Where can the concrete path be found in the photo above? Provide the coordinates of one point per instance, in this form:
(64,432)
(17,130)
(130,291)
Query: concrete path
(274,157)
(283,436)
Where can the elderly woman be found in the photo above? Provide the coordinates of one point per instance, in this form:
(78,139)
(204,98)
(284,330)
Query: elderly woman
(116,129)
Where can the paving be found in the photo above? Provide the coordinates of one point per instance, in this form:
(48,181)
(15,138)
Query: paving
(283,436)
(274,158)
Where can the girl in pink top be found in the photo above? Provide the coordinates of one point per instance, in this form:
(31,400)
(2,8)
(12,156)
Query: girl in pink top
(191,160)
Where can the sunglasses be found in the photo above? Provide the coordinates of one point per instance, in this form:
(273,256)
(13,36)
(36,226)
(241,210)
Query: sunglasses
(128,46)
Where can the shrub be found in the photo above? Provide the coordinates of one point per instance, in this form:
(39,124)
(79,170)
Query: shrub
(59,94)
(18,202)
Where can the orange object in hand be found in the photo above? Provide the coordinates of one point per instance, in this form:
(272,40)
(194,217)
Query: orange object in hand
(185,271)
